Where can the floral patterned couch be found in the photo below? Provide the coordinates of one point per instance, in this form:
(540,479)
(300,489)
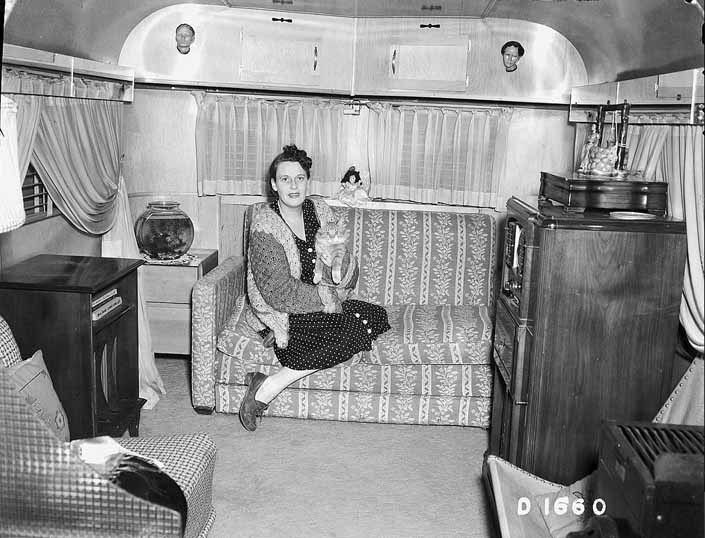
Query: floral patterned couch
(434,273)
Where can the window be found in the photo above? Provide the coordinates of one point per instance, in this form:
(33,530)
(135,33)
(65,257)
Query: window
(38,204)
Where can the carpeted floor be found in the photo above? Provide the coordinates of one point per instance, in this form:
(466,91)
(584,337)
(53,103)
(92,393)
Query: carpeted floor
(305,478)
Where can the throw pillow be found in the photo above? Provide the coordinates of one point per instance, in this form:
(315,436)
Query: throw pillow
(31,379)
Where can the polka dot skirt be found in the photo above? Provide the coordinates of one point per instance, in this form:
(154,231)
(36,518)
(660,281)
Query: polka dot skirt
(318,340)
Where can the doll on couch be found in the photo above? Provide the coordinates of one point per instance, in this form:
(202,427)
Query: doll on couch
(353,191)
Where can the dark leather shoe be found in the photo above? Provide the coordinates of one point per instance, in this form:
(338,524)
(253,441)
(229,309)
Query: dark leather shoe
(250,408)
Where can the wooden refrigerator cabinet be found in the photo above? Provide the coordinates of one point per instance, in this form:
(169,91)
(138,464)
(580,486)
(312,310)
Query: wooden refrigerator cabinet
(586,329)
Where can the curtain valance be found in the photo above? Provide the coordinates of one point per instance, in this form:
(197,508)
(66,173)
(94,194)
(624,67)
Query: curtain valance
(17,80)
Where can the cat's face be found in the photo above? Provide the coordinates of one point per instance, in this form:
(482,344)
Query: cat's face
(333,232)
(291,183)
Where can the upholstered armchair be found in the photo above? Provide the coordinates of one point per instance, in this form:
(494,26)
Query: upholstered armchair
(48,491)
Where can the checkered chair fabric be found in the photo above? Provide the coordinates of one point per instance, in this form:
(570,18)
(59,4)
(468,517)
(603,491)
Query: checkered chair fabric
(47,491)
(9,351)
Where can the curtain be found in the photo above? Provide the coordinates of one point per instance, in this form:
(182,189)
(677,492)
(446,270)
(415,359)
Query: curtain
(77,155)
(11,206)
(238,136)
(437,154)
(120,242)
(645,143)
(29,108)
(682,167)
(674,154)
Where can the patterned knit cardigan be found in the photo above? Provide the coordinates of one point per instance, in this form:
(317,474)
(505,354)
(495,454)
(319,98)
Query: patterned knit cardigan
(274,287)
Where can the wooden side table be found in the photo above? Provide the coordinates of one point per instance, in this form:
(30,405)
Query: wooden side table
(167,290)
(53,303)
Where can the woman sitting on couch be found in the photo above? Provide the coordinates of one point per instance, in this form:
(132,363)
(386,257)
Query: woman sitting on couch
(313,326)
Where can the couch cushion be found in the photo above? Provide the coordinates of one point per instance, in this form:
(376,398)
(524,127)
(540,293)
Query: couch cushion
(422,257)
(420,335)
(429,334)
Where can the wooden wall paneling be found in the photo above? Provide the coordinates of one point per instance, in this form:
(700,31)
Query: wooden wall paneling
(55,235)
(231,229)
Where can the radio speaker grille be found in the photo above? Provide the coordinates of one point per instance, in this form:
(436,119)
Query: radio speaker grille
(650,441)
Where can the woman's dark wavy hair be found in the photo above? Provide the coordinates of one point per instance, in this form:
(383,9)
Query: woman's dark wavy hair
(291,154)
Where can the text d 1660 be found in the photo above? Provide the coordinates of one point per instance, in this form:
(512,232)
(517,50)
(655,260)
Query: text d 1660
(561,506)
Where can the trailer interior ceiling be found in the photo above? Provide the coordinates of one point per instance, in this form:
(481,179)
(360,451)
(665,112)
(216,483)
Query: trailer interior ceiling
(617,39)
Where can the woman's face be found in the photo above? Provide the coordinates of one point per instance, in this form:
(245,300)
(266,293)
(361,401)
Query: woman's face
(291,183)
(510,58)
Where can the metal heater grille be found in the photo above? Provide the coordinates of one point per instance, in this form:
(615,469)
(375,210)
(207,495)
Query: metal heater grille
(651,441)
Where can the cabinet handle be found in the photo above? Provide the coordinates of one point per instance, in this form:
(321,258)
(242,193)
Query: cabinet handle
(281,19)
(394,62)
(431,7)
(315,57)
(429,25)
(283,2)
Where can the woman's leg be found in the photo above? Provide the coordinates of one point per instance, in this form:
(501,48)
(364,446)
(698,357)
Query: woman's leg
(276,383)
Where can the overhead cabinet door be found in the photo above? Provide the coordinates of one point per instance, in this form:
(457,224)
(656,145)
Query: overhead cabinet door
(280,59)
(412,57)
(300,52)
(429,66)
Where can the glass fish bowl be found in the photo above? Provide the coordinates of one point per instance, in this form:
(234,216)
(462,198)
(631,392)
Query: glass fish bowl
(163,231)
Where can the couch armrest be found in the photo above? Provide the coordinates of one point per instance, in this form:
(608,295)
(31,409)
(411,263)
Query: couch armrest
(213,299)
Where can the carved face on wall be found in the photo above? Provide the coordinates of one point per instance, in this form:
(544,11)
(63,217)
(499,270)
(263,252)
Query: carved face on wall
(185,36)
(511,52)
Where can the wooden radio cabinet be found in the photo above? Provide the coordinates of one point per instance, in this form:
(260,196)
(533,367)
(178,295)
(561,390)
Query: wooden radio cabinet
(586,330)
(49,302)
